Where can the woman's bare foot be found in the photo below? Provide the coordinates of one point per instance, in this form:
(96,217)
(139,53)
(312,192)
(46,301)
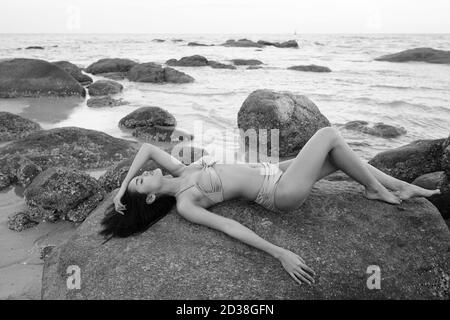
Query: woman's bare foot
(408,191)
(383,194)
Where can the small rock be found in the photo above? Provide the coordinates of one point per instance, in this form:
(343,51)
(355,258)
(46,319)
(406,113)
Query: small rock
(310,68)
(105,101)
(104,87)
(20,221)
(246,62)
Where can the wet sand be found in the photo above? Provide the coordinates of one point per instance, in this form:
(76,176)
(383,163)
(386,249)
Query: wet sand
(20,263)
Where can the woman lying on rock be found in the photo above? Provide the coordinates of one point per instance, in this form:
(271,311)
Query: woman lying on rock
(144,199)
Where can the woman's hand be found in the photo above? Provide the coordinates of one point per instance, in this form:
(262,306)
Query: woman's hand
(296,267)
(117,204)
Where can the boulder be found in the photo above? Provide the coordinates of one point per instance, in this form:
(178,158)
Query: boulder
(174,76)
(20,221)
(246,62)
(147,117)
(191,61)
(219,65)
(445,162)
(34,48)
(155,73)
(75,72)
(379,129)
(111,65)
(162,134)
(19,169)
(287,44)
(245,43)
(104,87)
(295,116)
(310,68)
(14,127)
(338,232)
(71,147)
(196,44)
(62,193)
(114,176)
(105,101)
(266,43)
(418,54)
(412,160)
(437,180)
(35,78)
(177,40)
(113,75)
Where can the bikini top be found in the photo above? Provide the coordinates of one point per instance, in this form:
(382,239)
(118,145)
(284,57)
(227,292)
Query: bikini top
(211,184)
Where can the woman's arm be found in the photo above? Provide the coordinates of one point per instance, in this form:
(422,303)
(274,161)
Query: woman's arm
(146,152)
(293,264)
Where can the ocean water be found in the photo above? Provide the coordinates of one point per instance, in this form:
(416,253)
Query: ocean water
(415,96)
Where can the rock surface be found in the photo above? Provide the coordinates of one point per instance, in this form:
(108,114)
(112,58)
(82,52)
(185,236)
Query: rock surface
(61,193)
(155,73)
(412,160)
(15,127)
(191,61)
(162,134)
(310,68)
(105,101)
(437,180)
(296,117)
(378,129)
(75,72)
(104,87)
(35,78)
(70,147)
(147,117)
(418,54)
(337,231)
(19,170)
(20,221)
(246,62)
(111,65)
(244,43)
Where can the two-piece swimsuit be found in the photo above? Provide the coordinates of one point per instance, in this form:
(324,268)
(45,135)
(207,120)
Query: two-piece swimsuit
(212,188)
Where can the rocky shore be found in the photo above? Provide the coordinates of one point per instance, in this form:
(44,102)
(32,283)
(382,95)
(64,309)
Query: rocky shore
(337,230)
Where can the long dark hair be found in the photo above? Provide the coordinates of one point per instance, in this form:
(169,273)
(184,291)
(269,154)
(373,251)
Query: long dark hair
(138,215)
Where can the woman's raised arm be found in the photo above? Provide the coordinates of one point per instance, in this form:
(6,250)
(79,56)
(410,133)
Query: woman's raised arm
(291,262)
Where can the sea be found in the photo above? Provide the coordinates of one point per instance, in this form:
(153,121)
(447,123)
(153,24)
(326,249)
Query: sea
(415,96)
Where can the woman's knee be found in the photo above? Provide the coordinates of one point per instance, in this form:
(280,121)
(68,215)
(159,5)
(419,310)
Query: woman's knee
(331,133)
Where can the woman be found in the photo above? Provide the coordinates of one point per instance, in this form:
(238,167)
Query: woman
(144,199)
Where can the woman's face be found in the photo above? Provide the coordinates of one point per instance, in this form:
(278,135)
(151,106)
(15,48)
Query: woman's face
(148,182)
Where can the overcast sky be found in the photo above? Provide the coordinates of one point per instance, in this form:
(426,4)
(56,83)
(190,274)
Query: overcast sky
(225,16)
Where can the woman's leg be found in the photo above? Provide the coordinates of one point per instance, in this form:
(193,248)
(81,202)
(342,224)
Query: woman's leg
(295,185)
(403,189)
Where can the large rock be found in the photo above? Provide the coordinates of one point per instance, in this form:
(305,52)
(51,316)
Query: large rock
(445,162)
(296,117)
(104,87)
(412,160)
(61,193)
(287,44)
(71,147)
(148,116)
(111,65)
(155,73)
(162,134)
(337,231)
(418,54)
(74,71)
(15,127)
(437,180)
(310,68)
(244,43)
(378,129)
(19,170)
(34,78)
(191,61)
